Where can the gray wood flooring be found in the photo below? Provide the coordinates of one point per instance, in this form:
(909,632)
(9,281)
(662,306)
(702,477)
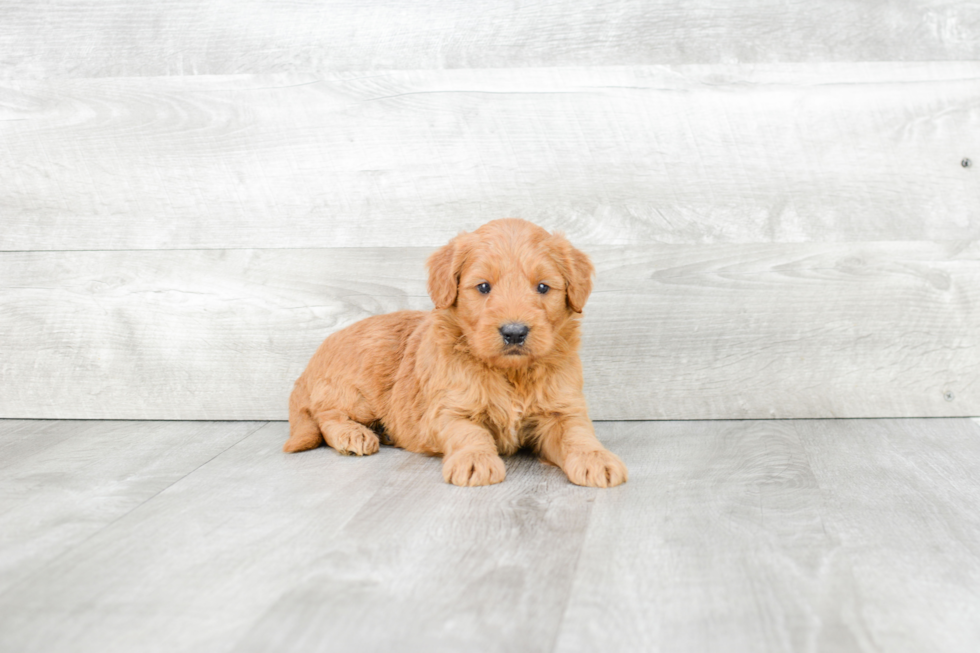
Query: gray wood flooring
(829,535)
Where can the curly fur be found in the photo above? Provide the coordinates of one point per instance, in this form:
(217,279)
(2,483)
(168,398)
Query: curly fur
(446,383)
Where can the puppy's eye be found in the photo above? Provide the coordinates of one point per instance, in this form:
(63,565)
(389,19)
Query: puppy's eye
(484,287)
(543,288)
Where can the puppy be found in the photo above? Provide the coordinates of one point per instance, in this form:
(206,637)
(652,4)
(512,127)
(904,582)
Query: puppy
(493,369)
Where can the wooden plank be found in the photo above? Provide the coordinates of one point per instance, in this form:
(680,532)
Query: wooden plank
(19,437)
(169,334)
(784,536)
(901,499)
(189,568)
(449,571)
(671,332)
(716,543)
(309,551)
(685,155)
(782,331)
(182,37)
(63,482)
(829,535)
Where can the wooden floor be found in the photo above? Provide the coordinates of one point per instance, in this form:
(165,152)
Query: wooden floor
(834,535)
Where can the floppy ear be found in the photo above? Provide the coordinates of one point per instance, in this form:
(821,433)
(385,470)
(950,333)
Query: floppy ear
(577,270)
(444,268)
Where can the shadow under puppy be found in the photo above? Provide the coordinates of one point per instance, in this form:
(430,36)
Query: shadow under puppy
(494,368)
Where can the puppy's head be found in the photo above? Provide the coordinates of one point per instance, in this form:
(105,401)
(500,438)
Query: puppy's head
(513,288)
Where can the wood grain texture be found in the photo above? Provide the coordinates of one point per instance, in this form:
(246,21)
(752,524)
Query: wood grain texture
(726,550)
(900,497)
(259,550)
(192,568)
(19,438)
(682,332)
(426,566)
(730,536)
(61,483)
(784,536)
(183,37)
(685,155)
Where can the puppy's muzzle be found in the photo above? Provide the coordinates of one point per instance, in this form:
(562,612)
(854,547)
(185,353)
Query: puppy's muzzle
(514,333)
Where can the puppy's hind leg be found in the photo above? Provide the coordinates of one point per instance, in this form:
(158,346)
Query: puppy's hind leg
(303,430)
(345,435)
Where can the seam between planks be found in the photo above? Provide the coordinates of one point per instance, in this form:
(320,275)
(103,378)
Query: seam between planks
(578,557)
(237,644)
(81,542)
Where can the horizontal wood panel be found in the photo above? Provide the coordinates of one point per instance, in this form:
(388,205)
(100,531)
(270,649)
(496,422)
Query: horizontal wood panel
(190,37)
(681,332)
(685,155)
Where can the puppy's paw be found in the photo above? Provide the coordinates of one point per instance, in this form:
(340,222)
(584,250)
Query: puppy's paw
(595,468)
(473,468)
(355,439)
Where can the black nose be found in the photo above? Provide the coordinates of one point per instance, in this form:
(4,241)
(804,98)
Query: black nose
(514,333)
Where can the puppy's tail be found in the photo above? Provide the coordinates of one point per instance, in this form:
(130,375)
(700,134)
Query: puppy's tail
(303,430)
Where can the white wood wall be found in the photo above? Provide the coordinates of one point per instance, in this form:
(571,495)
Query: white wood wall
(194,194)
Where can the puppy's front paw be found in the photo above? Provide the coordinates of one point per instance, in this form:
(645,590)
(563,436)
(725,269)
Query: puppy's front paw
(355,439)
(595,468)
(473,468)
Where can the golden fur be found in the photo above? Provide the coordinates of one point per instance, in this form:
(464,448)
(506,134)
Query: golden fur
(447,382)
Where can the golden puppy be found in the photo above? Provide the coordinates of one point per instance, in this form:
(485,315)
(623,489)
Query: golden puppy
(492,369)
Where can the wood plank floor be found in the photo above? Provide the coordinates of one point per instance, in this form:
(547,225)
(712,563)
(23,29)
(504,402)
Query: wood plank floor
(827,535)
